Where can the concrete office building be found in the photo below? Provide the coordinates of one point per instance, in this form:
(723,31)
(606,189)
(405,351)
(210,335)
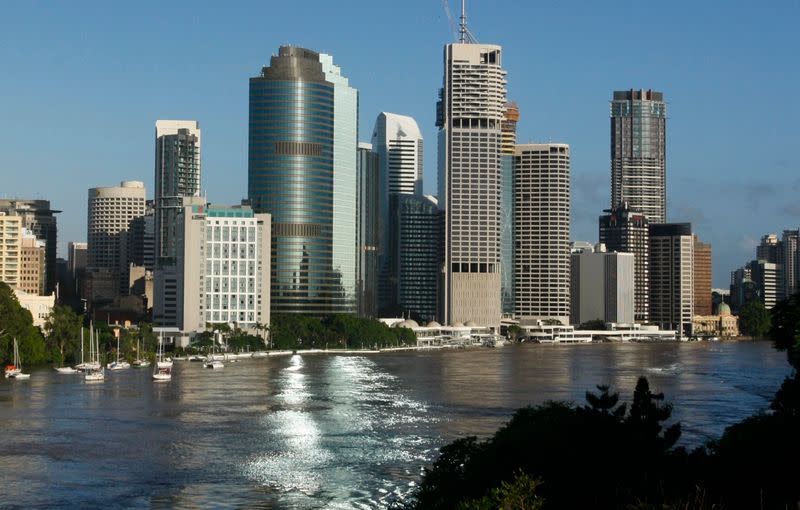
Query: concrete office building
(470,113)
(625,230)
(367,221)
(541,232)
(39,218)
(32,267)
(417,257)
(302,170)
(77,257)
(110,212)
(223,267)
(771,250)
(398,143)
(672,276)
(10,249)
(702,277)
(638,152)
(601,286)
(764,275)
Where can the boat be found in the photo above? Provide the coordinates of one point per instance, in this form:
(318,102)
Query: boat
(139,362)
(17,372)
(94,370)
(118,365)
(162,371)
(214,363)
(163,362)
(66,370)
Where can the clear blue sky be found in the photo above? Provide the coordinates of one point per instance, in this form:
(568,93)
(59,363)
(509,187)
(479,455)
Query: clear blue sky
(82,84)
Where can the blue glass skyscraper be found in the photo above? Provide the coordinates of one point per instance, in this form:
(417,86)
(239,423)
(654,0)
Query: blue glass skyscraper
(291,174)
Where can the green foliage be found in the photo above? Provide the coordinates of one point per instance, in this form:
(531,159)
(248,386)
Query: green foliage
(17,322)
(754,319)
(336,331)
(595,324)
(785,330)
(519,494)
(514,332)
(616,453)
(63,331)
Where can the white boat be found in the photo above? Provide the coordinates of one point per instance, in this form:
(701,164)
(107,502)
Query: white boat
(163,368)
(17,372)
(118,365)
(214,364)
(66,370)
(139,362)
(94,370)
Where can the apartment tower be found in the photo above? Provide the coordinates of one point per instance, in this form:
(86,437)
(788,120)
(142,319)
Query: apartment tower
(638,152)
(672,276)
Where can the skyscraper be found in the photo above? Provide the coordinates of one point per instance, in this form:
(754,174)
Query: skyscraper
(470,113)
(39,218)
(771,250)
(672,276)
(541,231)
(398,142)
(419,233)
(110,212)
(626,230)
(302,171)
(177,175)
(367,193)
(10,249)
(638,152)
(789,258)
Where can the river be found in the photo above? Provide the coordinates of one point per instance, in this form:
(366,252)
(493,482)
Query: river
(329,431)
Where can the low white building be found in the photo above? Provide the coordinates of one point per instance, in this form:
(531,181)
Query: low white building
(39,306)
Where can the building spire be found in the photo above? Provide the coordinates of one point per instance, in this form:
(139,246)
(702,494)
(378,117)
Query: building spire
(464,35)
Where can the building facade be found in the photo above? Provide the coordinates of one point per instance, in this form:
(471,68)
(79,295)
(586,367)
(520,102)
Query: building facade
(222,268)
(32,267)
(601,286)
(10,249)
(508,145)
(638,152)
(417,257)
(470,114)
(398,142)
(542,204)
(764,276)
(702,277)
(789,259)
(291,175)
(367,221)
(39,218)
(110,212)
(672,276)
(626,230)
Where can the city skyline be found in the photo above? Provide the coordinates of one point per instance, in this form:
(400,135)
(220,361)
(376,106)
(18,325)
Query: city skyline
(704,72)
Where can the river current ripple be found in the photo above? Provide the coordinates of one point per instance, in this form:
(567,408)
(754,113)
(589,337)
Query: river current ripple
(329,431)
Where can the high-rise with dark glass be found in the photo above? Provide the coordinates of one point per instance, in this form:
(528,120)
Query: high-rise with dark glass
(418,227)
(302,170)
(639,153)
(367,193)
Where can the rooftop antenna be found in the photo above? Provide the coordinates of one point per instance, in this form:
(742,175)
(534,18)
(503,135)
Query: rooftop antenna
(464,35)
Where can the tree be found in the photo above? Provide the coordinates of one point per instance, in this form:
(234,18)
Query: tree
(754,319)
(514,332)
(62,330)
(17,323)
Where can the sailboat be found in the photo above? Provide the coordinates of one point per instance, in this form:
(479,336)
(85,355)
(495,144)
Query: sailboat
(118,365)
(212,362)
(70,370)
(94,371)
(163,369)
(17,374)
(139,362)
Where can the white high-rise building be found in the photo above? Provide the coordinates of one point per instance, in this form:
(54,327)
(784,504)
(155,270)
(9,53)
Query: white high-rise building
(602,286)
(541,231)
(223,268)
(397,141)
(470,115)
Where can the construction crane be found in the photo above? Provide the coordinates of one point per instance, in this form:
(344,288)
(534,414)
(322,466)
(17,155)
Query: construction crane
(464,35)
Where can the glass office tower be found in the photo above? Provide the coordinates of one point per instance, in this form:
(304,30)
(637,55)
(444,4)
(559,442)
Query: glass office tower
(291,176)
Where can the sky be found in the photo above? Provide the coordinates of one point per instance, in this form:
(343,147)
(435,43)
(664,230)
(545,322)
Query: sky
(82,84)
